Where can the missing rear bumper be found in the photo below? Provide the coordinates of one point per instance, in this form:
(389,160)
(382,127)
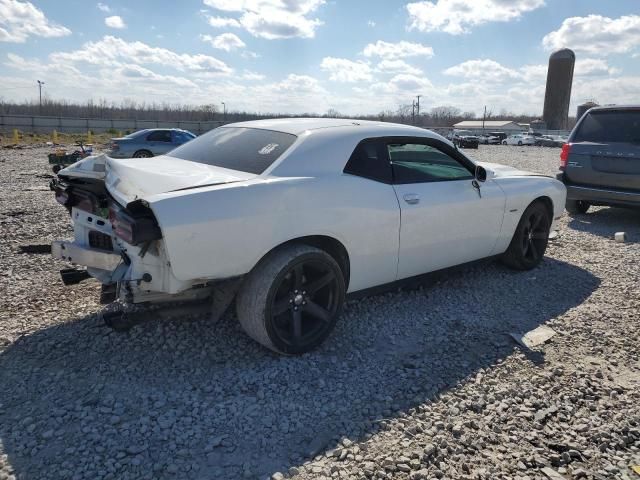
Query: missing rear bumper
(88,257)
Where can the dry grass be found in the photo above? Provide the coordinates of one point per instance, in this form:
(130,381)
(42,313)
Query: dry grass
(9,138)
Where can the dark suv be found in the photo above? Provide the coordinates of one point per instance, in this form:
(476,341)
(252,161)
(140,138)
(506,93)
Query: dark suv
(600,164)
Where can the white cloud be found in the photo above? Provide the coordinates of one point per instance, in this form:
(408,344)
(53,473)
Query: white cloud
(20,20)
(114,51)
(397,66)
(136,72)
(343,70)
(371,23)
(223,22)
(410,83)
(273,19)
(593,67)
(397,50)
(226,41)
(484,69)
(596,34)
(115,21)
(456,16)
(252,76)
(103,7)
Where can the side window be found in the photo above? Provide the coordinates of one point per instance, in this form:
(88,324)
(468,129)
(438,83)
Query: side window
(368,160)
(182,137)
(159,136)
(418,163)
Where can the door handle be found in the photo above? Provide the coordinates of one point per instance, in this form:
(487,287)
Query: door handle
(411,198)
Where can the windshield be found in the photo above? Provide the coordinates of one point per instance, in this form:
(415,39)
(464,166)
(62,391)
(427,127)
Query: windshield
(244,149)
(622,126)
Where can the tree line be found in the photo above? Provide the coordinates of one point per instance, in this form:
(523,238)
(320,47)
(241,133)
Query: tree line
(439,116)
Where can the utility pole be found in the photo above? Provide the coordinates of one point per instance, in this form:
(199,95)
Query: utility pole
(418,106)
(40,89)
(484,118)
(413,112)
(224,112)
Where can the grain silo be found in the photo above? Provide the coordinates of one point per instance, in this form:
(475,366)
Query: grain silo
(558,94)
(582,109)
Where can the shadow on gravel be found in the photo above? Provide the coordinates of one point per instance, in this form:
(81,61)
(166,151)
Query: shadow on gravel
(191,400)
(605,222)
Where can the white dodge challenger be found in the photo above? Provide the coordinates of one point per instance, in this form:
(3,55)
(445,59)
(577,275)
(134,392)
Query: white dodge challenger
(287,216)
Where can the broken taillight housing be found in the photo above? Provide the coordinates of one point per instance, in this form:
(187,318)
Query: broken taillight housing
(564,155)
(62,197)
(134,226)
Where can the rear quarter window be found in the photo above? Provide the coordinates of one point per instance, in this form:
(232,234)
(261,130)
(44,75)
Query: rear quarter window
(249,150)
(609,127)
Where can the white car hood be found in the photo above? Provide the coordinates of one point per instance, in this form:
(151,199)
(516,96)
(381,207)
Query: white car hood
(132,178)
(501,171)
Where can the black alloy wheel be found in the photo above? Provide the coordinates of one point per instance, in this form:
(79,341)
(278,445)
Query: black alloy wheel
(292,298)
(529,242)
(535,236)
(305,304)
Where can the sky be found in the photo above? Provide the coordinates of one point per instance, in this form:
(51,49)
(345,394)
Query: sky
(297,56)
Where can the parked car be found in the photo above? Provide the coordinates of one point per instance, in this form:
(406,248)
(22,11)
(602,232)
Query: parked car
(500,135)
(547,141)
(488,139)
(465,139)
(149,142)
(600,165)
(519,139)
(267,209)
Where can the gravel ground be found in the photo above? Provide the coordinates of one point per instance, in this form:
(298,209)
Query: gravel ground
(420,384)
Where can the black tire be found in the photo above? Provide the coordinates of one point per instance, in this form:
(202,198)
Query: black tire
(504,142)
(143,154)
(576,207)
(529,242)
(519,143)
(291,300)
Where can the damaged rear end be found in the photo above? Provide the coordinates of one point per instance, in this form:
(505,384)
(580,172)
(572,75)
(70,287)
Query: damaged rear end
(117,238)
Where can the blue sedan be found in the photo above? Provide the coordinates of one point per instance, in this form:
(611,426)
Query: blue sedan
(149,143)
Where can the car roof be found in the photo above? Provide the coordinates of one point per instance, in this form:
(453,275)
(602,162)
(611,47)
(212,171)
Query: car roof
(297,126)
(615,107)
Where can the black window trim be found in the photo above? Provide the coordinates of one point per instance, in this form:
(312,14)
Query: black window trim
(383,153)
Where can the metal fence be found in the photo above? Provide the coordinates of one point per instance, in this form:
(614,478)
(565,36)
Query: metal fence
(40,124)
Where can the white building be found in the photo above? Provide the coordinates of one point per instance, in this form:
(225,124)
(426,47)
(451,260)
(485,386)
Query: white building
(476,126)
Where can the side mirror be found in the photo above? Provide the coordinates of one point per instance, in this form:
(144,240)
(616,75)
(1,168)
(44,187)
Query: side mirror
(481,174)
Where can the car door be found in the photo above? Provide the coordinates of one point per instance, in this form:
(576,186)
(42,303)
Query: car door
(159,141)
(445,219)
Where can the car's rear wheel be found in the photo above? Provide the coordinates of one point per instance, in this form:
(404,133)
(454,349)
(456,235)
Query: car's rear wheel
(529,242)
(291,300)
(143,154)
(504,142)
(575,207)
(519,143)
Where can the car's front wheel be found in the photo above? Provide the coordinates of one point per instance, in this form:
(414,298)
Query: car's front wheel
(529,242)
(575,207)
(291,300)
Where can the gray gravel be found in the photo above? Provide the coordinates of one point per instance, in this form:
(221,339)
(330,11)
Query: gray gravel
(419,384)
